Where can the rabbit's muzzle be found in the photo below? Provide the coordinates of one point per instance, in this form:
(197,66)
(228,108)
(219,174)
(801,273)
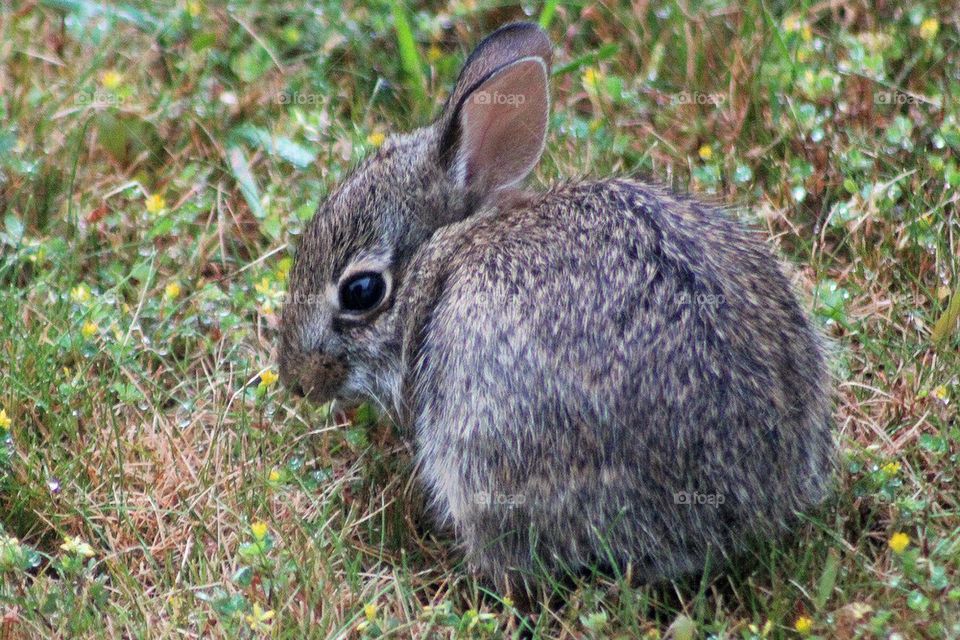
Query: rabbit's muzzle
(316,376)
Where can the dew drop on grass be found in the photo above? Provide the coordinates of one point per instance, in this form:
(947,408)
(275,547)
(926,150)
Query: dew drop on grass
(321,476)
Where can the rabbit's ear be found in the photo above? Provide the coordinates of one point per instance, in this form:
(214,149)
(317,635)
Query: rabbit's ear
(495,125)
(507,44)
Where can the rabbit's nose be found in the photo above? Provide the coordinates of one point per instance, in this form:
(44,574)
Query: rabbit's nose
(317,377)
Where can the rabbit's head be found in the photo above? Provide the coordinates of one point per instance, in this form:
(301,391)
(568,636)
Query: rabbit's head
(339,330)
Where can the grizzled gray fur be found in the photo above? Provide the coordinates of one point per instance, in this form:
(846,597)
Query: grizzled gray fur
(602,372)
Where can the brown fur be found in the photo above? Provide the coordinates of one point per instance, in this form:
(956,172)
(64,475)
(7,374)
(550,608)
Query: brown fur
(572,363)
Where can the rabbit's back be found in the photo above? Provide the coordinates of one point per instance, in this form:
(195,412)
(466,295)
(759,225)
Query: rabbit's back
(604,372)
(611,366)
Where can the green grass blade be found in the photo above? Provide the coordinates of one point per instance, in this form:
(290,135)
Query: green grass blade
(827,579)
(605,52)
(293,152)
(948,319)
(409,57)
(546,15)
(240,168)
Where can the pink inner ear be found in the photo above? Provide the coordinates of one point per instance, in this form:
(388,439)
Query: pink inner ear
(503,126)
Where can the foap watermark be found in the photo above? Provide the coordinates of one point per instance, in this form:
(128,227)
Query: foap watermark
(699,499)
(287,298)
(496,97)
(488,499)
(896,98)
(712,300)
(698,97)
(99,98)
(297,98)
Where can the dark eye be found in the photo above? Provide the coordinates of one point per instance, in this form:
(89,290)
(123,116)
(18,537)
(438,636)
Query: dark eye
(362,292)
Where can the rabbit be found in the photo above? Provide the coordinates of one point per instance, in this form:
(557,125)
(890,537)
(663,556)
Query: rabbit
(604,373)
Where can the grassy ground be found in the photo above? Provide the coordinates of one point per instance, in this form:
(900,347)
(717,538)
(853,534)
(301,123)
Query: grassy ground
(157,162)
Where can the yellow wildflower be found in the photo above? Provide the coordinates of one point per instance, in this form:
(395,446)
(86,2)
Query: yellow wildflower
(263,286)
(705,152)
(259,530)
(80,294)
(929,28)
(274,475)
(194,8)
(899,542)
(890,469)
(434,53)
(806,33)
(283,268)
(376,139)
(5,420)
(259,620)
(155,204)
(292,35)
(591,79)
(268,378)
(507,601)
(370,611)
(77,546)
(88,329)
(803,625)
(940,393)
(111,79)
(172,291)
(791,23)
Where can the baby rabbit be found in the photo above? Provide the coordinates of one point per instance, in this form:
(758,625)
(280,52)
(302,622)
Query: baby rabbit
(604,373)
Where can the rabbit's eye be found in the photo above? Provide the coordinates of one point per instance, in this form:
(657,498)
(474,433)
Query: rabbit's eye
(362,292)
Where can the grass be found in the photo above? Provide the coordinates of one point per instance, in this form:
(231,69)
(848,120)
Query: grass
(157,163)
